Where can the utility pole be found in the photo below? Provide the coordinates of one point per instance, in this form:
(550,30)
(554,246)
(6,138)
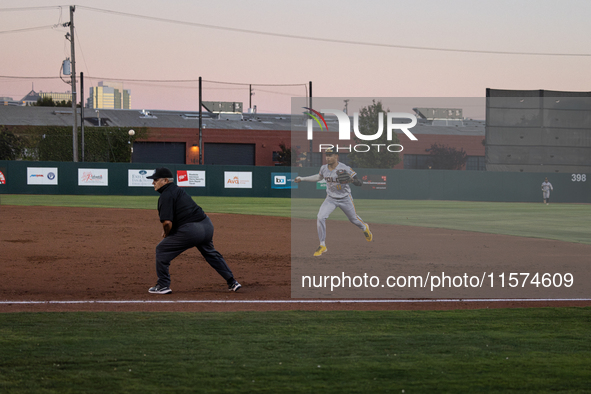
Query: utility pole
(75,115)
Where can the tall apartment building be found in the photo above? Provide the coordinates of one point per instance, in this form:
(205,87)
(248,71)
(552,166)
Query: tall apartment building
(109,95)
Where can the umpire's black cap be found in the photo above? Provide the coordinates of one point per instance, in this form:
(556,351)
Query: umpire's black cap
(162,172)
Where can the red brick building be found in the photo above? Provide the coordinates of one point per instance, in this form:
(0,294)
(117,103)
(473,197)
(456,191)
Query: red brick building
(247,139)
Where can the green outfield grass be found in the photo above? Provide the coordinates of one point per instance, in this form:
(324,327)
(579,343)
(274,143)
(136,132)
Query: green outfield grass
(241,205)
(516,350)
(564,222)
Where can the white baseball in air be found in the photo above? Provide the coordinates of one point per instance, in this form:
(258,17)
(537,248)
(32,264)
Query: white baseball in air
(131,132)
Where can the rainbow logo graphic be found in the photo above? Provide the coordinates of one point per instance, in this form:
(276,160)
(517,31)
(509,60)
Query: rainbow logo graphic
(316,118)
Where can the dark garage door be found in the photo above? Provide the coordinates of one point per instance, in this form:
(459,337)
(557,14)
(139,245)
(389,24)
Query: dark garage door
(159,152)
(229,154)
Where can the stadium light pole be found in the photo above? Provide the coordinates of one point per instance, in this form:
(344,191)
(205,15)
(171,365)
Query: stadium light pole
(75,115)
(82,112)
(200,125)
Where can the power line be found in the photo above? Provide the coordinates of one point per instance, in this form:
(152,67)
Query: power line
(28,29)
(33,8)
(155,81)
(308,38)
(334,41)
(13,77)
(80,46)
(165,80)
(32,28)
(256,84)
(193,81)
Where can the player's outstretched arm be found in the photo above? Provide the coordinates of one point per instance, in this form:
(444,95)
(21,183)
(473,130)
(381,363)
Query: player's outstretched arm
(311,178)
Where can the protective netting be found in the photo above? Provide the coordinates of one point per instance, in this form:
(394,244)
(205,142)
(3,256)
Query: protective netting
(168,94)
(538,131)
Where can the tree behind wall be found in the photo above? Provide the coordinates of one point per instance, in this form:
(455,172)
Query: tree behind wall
(102,144)
(48,102)
(368,124)
(285,155)
(11,145)
(442,157)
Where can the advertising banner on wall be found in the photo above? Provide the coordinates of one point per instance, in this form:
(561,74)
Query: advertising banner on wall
(374,182)
(137,178)
(283,180)
(2,176)
(41,175)
(321,185)
(93,177)
(238,179)
(187,178)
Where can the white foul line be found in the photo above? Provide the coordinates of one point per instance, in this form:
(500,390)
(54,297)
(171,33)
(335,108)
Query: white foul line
(298,301)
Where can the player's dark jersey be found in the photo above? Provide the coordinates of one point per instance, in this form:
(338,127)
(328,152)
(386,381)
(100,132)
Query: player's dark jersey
(178,207)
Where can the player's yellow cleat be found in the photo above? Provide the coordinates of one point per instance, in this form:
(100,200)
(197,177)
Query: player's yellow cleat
(321,249)
(368,234)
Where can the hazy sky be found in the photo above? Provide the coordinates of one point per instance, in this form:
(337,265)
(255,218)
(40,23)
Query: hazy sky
(113,46)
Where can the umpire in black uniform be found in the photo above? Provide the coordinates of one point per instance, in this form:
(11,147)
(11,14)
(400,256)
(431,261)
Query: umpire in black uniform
(185,225)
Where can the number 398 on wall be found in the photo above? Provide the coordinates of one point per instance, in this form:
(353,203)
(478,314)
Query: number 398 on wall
(579,178)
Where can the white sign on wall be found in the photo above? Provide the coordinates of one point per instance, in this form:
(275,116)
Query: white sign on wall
(41,175)
(93,177)
(186,178)
(238,179)
(137,178)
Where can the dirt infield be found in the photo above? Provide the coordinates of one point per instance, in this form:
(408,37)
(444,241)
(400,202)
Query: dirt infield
(91,259)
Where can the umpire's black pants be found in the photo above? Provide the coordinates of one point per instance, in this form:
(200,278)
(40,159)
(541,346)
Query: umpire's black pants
(189,235)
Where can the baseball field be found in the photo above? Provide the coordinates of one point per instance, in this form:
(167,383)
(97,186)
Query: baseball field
(76,315)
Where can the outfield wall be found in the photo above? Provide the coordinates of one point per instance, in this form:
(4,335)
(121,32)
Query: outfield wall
(68,178)
(461,186)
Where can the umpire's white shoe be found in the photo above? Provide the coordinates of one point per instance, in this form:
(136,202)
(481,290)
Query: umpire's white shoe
(160,290)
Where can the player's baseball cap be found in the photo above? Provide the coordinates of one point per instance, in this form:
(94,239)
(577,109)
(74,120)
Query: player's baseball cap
(331,152)
(162,172)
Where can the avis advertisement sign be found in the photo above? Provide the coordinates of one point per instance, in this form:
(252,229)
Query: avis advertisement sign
(137,178)
(93,177)
(238,179)
(187,178)
(41,175)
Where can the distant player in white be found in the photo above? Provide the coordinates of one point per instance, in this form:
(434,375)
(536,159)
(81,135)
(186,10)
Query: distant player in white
(546,187)
(338,194)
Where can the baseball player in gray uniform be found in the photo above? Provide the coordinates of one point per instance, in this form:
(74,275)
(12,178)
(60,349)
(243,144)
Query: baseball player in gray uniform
(546,187)
(338,176)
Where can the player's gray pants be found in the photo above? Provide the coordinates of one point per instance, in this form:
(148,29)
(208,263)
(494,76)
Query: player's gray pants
(546,194)
(328,206)
(189,235)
